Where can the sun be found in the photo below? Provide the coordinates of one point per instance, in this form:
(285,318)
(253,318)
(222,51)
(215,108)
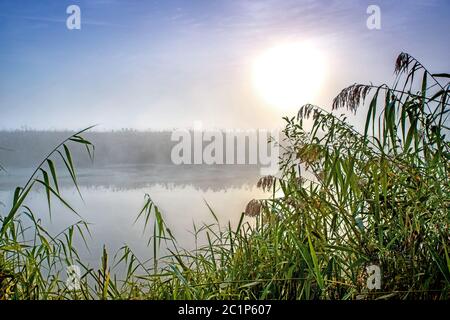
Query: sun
(289,75)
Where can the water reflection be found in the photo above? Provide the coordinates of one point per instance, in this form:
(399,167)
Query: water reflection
(113,197)
(123,177)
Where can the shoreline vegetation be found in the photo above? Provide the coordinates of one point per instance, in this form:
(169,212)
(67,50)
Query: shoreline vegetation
(345,201)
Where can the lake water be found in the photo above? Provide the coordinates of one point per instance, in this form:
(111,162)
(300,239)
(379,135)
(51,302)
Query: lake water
(113,196)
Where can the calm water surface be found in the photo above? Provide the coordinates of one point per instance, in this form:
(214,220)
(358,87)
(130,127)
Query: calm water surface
(113,196)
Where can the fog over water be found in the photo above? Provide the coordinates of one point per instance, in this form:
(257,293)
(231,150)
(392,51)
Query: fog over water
(114,185)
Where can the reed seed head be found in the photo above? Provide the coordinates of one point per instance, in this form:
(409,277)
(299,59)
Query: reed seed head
(253,208)
(266,182)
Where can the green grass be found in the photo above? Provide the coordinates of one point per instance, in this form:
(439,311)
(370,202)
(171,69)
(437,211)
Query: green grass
(345,200)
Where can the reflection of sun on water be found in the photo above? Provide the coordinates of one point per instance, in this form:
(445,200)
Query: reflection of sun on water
(289,75)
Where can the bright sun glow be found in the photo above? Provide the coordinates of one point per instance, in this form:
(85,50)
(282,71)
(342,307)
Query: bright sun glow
(289,75)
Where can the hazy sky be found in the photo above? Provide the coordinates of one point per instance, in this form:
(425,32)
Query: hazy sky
(165,64)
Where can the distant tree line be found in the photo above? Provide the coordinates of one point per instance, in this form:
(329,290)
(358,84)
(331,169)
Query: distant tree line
(25,148)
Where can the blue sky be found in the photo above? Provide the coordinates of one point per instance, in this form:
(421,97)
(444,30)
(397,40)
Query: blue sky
(166,64)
